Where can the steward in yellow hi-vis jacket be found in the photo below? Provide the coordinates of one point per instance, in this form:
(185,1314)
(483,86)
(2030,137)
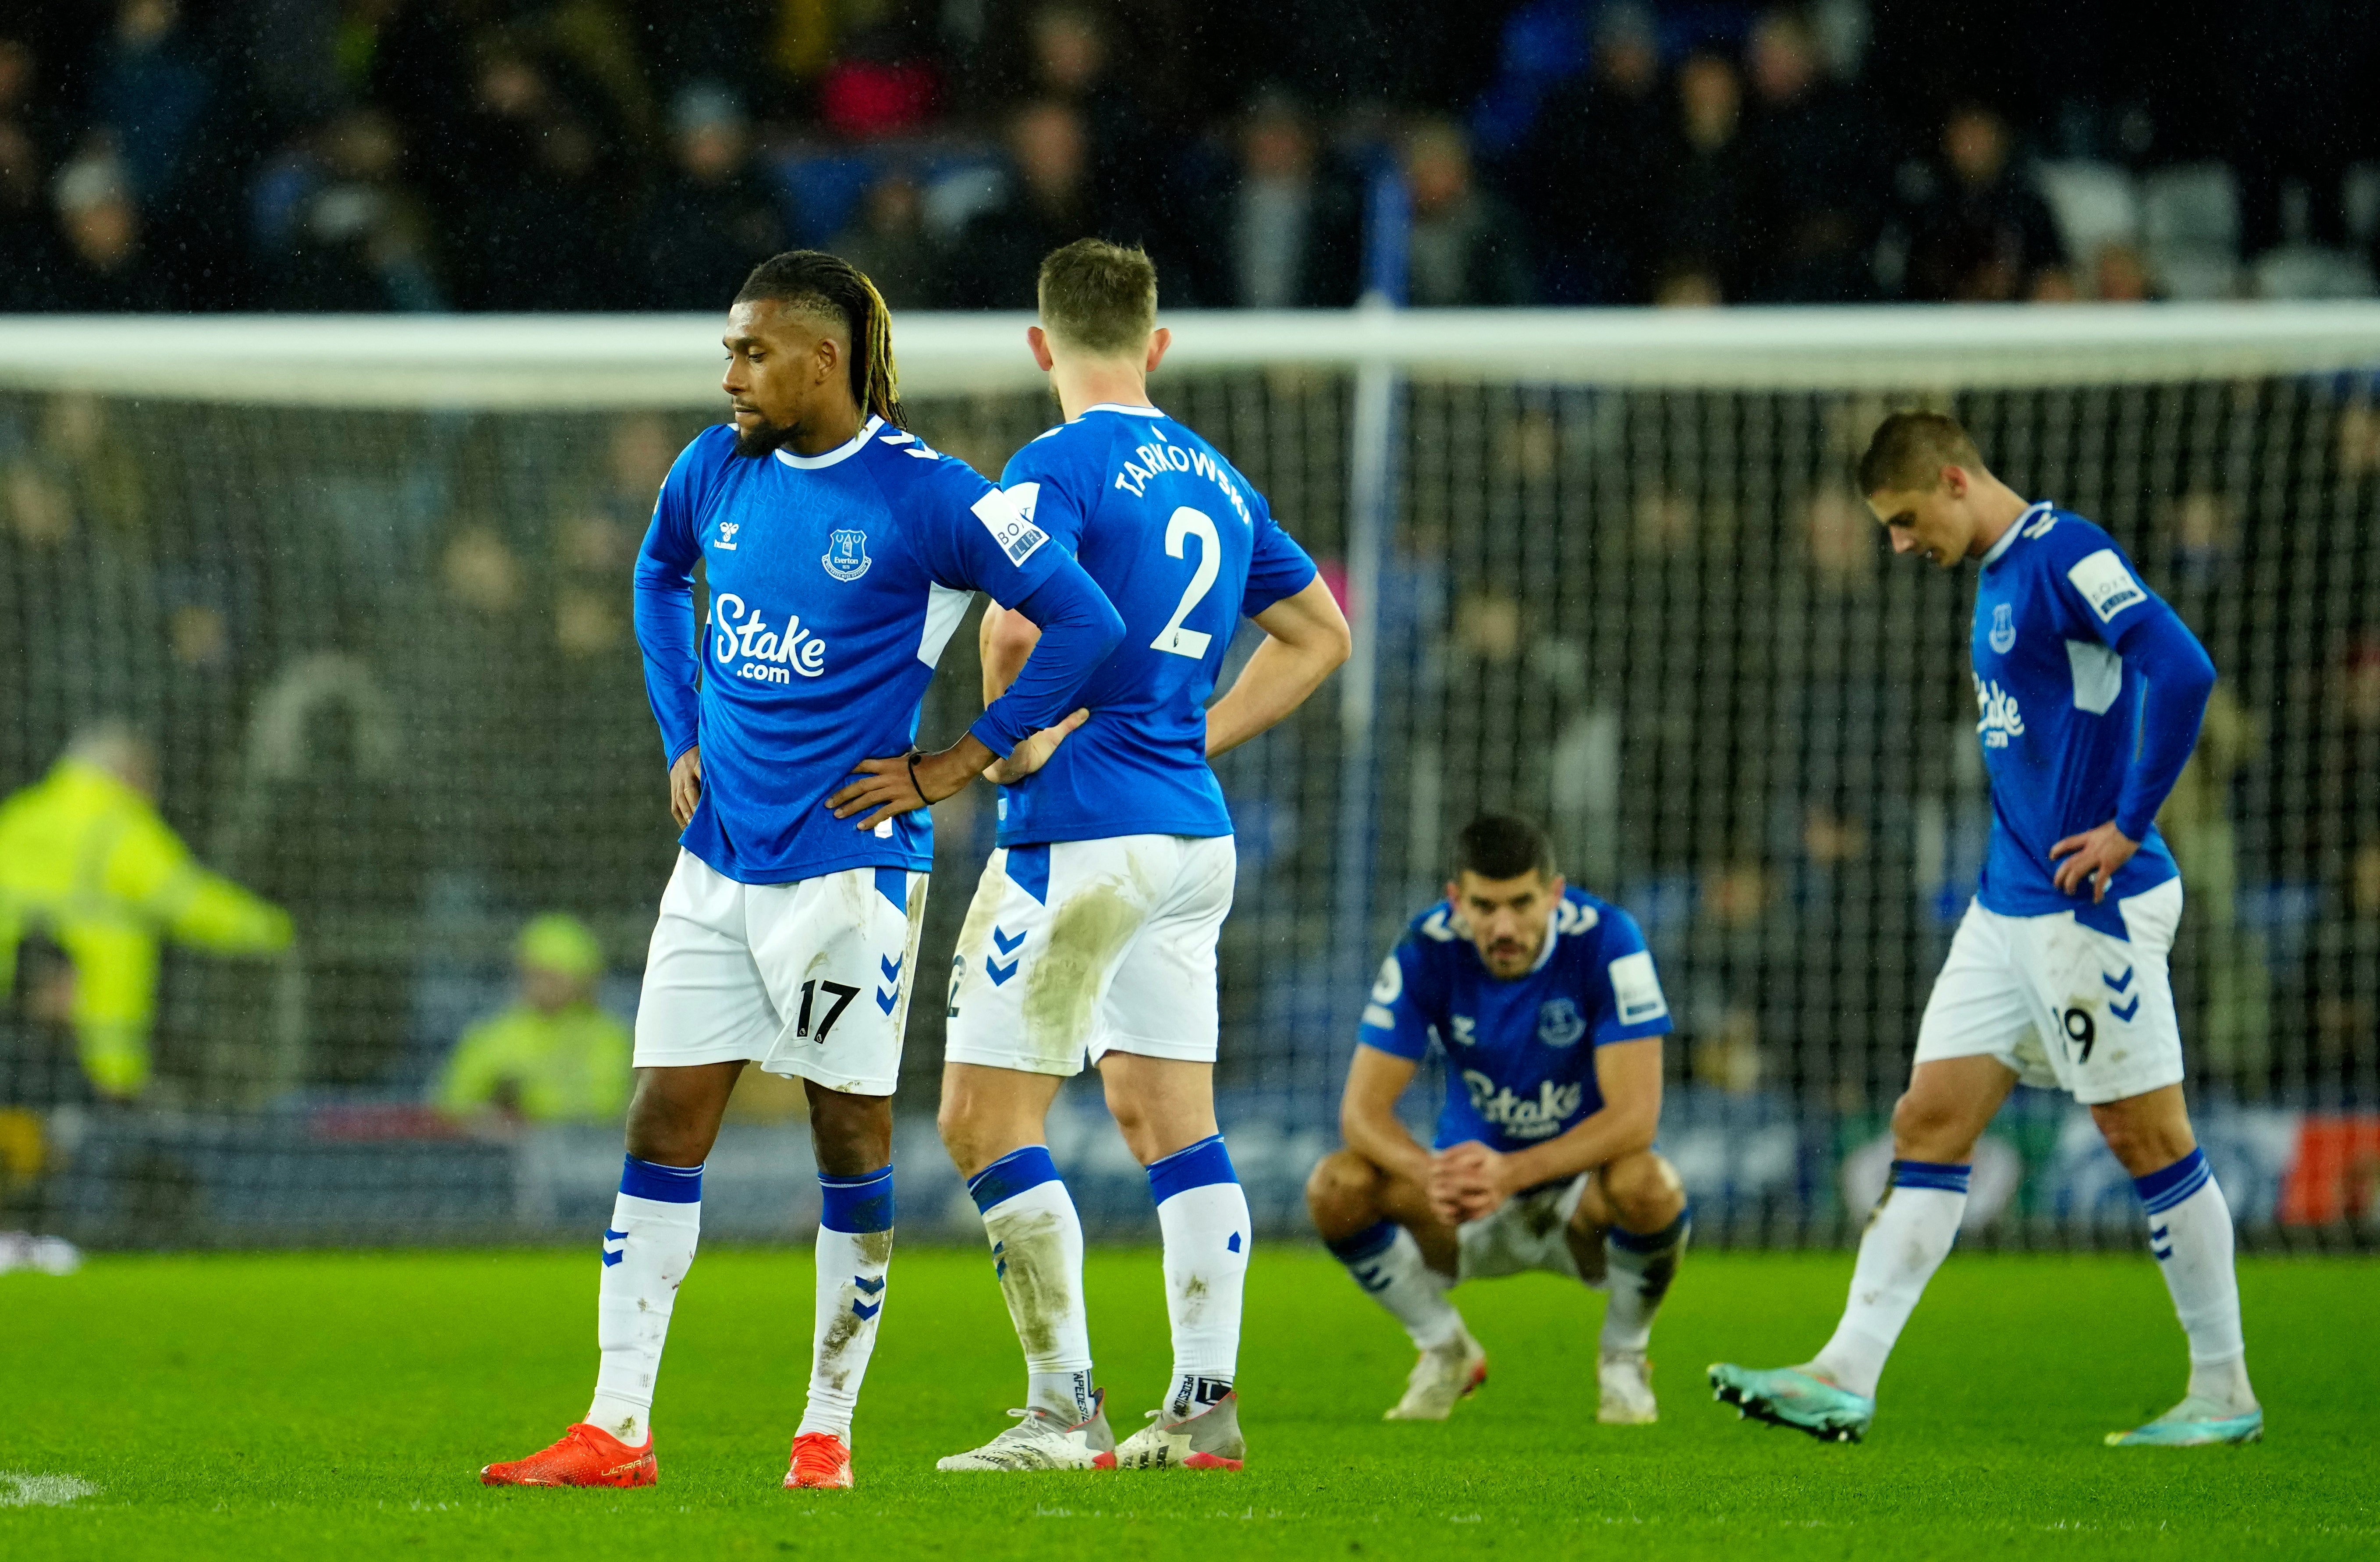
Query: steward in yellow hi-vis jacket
(553,1056)
(86,861)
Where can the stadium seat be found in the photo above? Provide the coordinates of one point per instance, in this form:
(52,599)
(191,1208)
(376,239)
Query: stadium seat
(2309,271)
(2190,217)
(2095,205)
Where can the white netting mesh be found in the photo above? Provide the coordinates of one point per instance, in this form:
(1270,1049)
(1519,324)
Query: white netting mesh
(364,585)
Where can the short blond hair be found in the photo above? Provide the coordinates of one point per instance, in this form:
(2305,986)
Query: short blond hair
(1098,296)
(1909,450)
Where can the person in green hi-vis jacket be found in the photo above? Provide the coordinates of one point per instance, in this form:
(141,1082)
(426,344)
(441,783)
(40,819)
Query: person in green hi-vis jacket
(86,861)
(554,1056)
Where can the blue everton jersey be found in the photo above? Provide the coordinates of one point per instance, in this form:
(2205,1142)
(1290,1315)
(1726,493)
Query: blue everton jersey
(2058,609)
(1520,1054)
(1184,546)
(835,582)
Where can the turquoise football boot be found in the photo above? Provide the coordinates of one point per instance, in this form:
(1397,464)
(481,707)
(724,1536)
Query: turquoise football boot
(2193,1423)
(1789,1396)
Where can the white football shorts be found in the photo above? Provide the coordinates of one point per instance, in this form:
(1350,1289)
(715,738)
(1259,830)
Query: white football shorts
(1528,1233)
(1079,949)
(2067,1007)
(809,979)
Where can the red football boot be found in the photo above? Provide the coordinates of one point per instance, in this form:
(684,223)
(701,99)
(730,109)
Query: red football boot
(585,1456)
(819,1459)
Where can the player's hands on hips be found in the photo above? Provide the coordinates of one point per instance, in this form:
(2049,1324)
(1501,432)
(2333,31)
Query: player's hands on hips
(2098,856)
(686,786)
(906,783)
(1467,1181)
(1035,752)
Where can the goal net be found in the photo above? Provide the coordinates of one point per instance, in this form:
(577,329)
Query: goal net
(360,587)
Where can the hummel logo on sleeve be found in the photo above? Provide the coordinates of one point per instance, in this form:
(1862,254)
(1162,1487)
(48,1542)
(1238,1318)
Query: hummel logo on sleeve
(1017,537)
(2106,585)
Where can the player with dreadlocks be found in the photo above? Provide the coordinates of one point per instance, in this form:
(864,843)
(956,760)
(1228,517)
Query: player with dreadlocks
(841,553)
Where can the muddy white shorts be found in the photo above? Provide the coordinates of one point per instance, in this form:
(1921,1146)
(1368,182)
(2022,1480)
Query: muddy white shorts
(2067,1007)
(1077,948)
(809,978)
(1530,1232)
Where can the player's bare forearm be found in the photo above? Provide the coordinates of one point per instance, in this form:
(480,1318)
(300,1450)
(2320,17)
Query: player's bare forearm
(1305,641)
(1595,1141)
(1383,1139)
(1276,681)
(1628,1074)
(906,783)
(1367,1114)
(1006,639)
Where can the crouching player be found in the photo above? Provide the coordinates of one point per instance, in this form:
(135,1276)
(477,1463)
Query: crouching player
(1546,1005)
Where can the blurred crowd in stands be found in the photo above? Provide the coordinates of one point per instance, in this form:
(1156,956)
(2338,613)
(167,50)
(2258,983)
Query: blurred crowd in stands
(633,154)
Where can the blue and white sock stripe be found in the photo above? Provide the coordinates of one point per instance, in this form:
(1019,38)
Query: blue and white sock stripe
(1941,1177)
(853,1205)
(1201,1165)
(667,1185)
(1365,1245)
(1011,1175)
(1669,1237)
(2161,1190)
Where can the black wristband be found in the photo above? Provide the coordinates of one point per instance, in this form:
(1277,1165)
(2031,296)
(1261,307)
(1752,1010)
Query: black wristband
(911,758)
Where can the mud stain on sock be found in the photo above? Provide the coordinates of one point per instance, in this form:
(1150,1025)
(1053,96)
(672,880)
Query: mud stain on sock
(1040,1299)
(832,1369)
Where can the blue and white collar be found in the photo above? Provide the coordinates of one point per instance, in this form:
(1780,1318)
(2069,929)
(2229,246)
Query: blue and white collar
(1553,937)
(2007,539)
(1120,407)
(843,452)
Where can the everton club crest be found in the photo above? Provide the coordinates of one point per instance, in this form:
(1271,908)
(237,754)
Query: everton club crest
(846,554)
(2003,627)
(1558,1024)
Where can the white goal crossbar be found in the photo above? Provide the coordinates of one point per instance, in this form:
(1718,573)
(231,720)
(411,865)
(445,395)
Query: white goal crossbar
(527,361)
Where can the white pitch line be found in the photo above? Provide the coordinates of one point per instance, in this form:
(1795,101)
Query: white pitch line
(20,1489)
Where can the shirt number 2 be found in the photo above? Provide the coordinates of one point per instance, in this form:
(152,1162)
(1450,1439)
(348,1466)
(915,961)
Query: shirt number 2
(1187,523)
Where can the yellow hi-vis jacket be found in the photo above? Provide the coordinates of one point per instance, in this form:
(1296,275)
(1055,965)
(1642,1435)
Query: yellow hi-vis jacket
(85,860)
(570,1067)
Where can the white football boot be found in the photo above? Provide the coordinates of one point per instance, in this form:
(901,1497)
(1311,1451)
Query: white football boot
(1444,1373)
(1209,1440)
(1625,1380)
(1043,1441)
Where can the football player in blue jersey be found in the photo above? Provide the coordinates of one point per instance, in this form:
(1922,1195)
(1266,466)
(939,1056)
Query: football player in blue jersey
(1092,934)
(840,555)
(1545,1005)
(2089,691)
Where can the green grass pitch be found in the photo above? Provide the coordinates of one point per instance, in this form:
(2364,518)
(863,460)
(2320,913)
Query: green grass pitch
(340,1406)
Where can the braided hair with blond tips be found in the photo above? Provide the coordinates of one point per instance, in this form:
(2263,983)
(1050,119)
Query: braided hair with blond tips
(812,279)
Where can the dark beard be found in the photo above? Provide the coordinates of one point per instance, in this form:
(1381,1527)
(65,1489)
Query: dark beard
(763,440)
